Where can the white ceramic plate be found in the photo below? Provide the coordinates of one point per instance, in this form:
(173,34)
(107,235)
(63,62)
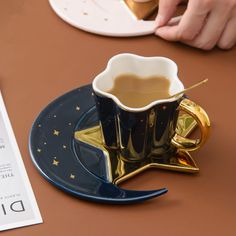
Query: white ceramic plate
(104,17)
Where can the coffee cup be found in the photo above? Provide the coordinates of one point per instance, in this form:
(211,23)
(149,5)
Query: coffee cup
(150,130)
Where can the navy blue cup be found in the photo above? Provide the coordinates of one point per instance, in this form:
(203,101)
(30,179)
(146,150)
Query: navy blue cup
(150,130)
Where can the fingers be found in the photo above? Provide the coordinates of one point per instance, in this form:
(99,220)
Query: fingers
(189,26)
(213,28)
(228,38)
(174,21)
(205,24)
(166,11)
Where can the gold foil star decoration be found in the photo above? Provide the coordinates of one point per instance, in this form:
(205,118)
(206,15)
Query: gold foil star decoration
(72,176)
(56,132)
(118,169)
(55,162)
(39,150)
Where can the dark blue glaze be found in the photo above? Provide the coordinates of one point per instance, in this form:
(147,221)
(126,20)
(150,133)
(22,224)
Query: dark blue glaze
(47,146)
(138,134)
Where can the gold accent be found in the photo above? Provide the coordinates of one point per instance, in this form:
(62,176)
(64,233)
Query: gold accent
(55,162)
(186,124)
(56,132)
(189,88)
(64,146)
(142,10)
(77,108)
(203,122)
(72,176)
(119,169)
(39,150)
(152,116)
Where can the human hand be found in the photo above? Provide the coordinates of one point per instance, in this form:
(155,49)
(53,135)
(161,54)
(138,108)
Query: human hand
(204,24)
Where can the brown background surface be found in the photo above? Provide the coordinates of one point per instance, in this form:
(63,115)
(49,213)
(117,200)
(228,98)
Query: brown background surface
(41,57)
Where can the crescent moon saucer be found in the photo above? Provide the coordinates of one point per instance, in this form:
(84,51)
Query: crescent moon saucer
(57,155)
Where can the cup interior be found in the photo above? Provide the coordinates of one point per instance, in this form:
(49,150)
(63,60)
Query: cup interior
(144,67)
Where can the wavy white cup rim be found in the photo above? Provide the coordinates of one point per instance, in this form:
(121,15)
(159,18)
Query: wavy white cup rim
(137,58)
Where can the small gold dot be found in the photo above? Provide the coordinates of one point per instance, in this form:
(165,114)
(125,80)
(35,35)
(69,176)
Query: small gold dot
(77,108)
(45,143)
(39,150)
(92,94)
(55,163)
(72,176)
(39,125)
(56,132)
(64,146)
(69,124)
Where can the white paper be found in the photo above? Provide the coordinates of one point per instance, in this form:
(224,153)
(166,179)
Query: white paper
(18,206)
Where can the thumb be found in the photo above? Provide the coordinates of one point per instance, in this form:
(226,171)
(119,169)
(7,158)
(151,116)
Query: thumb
(166,11)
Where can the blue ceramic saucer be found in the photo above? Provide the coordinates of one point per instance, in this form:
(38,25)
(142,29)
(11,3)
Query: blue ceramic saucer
(58,157)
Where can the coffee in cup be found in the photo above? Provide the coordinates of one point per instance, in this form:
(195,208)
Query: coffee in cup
(135,91)
(137,120)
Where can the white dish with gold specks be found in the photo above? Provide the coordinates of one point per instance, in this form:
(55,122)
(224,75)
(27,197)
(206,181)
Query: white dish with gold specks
(103,17)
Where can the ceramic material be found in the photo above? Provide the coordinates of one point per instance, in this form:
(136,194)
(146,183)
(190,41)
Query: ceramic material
(58,157)
(139,133)
(110,165)
(104,17)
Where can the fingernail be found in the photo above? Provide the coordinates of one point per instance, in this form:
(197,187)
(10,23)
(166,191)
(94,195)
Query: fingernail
(158,20)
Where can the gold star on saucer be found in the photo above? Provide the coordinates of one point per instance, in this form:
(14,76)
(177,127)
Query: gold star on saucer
(39,150)
(119,169)
(72,176)
(56,132)
(55,162)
